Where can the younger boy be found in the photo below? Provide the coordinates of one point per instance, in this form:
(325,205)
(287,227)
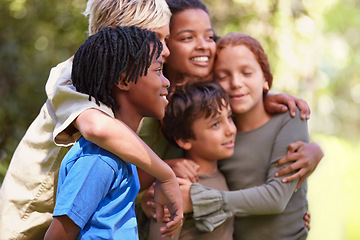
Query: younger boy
(199,120)
(122,68)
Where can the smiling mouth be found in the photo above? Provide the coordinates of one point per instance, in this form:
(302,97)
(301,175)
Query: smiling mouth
(164,97)
(239,96)
(200,59)
(230,143)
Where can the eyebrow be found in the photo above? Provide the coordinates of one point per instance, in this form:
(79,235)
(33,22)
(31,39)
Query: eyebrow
(160,35)
(154,61)
(192,31)
(215,117)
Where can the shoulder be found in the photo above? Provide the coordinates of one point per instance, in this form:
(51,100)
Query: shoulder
(292,127)
(61,71)
(287,118)
(88,153)
(214,180)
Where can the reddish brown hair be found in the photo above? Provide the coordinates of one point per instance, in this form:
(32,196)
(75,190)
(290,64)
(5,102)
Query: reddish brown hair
(236,39)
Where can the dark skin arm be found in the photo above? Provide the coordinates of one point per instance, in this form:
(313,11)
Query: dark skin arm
(277,103)
(305,156)
(183,168)
(62,228)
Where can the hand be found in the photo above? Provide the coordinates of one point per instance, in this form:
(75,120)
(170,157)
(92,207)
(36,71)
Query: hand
(168,194)
(306,157)
(148,205)
(307,219)
(147,202)
(275,103)
(183,168)
(185,185)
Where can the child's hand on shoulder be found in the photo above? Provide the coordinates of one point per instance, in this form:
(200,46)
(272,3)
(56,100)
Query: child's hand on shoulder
(184,168)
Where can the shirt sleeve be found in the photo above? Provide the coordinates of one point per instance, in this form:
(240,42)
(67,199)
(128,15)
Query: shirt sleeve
(65,103)
(87,181)
(268,198)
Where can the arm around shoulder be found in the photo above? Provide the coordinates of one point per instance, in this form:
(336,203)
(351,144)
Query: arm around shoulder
(116,137)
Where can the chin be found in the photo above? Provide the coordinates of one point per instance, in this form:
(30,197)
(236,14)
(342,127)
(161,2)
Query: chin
(202,74)
(159,116)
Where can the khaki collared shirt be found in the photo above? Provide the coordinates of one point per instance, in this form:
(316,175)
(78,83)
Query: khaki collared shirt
(27,194)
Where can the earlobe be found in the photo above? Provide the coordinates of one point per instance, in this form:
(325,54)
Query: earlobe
(266,87)
(184,144)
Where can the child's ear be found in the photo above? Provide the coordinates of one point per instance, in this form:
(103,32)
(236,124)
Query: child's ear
(266,87)
(123,85)
(184,144)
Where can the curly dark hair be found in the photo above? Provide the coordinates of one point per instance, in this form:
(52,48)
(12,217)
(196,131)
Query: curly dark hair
(188,103)
(105,56)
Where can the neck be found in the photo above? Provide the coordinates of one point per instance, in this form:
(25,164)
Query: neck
(251,119)
(206,166)
(131,120)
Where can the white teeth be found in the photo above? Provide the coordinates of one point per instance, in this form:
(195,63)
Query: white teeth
(200,59)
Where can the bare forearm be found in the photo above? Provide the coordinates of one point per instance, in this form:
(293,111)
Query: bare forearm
(114,136)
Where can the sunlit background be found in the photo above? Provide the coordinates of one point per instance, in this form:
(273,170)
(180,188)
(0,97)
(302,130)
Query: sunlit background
(314,50)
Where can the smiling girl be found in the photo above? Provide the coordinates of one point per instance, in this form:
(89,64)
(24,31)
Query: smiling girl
(264,207)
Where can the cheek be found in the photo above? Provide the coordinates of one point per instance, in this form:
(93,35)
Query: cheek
(175,54)
(213,51)
(225,85)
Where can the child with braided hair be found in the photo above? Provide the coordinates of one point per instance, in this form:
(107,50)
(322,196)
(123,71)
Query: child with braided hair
(122,68)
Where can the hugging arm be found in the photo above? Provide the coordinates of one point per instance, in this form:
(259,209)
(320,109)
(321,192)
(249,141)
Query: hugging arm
(304,156)
(97,125)
(212,207)
(282,102)
(114,136)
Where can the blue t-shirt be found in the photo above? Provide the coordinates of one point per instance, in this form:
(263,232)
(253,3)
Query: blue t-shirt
(96,190)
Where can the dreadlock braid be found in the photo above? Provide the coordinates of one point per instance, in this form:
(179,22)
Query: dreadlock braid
(105,56)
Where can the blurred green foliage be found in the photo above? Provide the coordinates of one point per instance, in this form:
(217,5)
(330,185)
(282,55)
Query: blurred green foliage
(314,50)
(35,36)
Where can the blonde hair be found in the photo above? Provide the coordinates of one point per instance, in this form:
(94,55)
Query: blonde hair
(145,14)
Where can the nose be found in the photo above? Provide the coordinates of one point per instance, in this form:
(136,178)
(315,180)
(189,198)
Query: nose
(202,44)
(236,81)
(165,52)
(230,128)
(165,82)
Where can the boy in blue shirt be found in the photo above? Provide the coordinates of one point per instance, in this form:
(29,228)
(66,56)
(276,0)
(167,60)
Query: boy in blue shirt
(122,68)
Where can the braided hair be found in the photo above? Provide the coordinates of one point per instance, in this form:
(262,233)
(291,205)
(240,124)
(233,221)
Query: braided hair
(111,53)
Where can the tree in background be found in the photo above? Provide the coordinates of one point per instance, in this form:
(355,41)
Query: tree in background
(35,36)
